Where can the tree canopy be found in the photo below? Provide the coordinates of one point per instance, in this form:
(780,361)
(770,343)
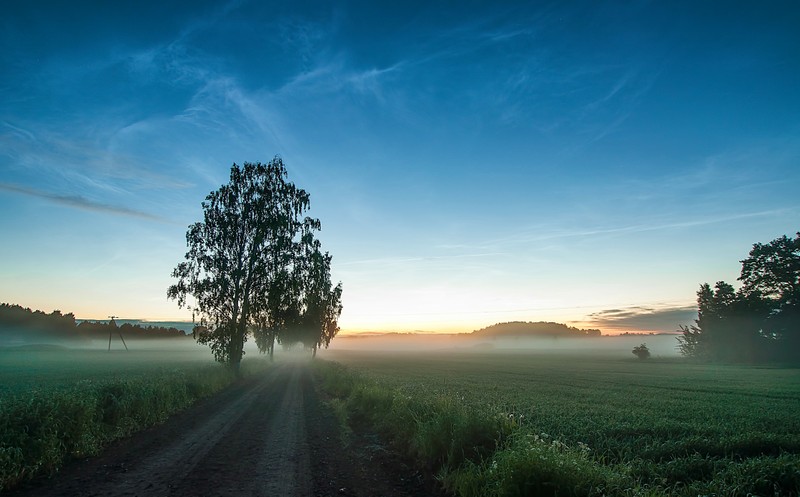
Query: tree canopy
(248,266)
(758,322)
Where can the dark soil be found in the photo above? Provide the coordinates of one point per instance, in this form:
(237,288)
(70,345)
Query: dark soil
(264,436)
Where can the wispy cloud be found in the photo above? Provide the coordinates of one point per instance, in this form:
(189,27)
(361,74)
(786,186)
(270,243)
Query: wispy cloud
(531,82)
(18,132)
(548,233)
(81,156)
(659,317)
(81,203)
(605,114)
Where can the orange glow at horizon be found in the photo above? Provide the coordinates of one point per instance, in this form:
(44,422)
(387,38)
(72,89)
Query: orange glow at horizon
(381,313)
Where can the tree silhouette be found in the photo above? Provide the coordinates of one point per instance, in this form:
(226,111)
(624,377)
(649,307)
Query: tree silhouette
(302,306)
(241,261)
(760,321)
(321,301)
(771,275)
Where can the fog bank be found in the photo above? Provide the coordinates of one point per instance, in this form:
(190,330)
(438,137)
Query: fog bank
(661,345)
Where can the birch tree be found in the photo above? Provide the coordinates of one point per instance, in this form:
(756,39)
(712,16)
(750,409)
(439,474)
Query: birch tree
(236,272)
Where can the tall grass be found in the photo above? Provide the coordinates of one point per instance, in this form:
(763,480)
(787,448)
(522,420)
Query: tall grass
(493,426)
(42,427)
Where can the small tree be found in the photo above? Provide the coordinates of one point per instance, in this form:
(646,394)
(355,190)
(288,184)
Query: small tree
(641,351)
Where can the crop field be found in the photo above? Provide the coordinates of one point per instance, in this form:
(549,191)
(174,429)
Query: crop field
(561,424)
(59,403)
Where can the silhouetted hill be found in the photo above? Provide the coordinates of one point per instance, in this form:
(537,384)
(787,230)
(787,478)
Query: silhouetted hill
(518,329)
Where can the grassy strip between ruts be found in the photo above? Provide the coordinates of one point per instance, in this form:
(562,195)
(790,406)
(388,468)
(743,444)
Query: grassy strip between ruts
(40,429)
(479,452)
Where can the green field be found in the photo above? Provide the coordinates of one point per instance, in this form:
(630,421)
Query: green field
(561,424)
(59,403)
(23,369)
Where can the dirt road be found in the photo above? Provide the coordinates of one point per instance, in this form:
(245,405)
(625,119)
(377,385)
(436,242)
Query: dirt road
(264,436)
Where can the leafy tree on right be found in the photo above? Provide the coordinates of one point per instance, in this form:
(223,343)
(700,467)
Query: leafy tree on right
(760,321)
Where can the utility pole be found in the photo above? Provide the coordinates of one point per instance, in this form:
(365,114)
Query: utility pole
(111,331)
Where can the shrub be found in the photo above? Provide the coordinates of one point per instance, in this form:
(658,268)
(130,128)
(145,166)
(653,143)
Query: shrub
(641,351)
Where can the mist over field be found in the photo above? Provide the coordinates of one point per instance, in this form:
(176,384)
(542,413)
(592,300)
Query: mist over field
(660,345)
(663,345)
(607,346)
(19,339)
(137,348)
(184,326)
(35,329)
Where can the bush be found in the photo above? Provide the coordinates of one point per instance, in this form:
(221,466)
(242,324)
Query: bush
(641,351)
(531,464)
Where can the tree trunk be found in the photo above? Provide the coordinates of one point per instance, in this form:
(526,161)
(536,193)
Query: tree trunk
(236,367)
(236,349)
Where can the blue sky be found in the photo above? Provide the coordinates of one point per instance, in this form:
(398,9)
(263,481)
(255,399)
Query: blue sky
(471,162)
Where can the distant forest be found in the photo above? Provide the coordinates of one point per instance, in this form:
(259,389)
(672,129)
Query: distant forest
(520,329)
(21,323)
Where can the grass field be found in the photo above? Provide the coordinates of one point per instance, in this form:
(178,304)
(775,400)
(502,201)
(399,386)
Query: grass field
(59,403)
(561,424)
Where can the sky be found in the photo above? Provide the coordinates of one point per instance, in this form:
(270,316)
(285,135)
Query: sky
(589,163)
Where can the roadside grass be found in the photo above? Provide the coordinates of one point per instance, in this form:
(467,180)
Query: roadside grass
(339,408)
(527,424)
(60,405)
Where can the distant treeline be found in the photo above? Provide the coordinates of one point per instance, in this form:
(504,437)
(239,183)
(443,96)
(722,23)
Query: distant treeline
(516,329)
(22,323)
